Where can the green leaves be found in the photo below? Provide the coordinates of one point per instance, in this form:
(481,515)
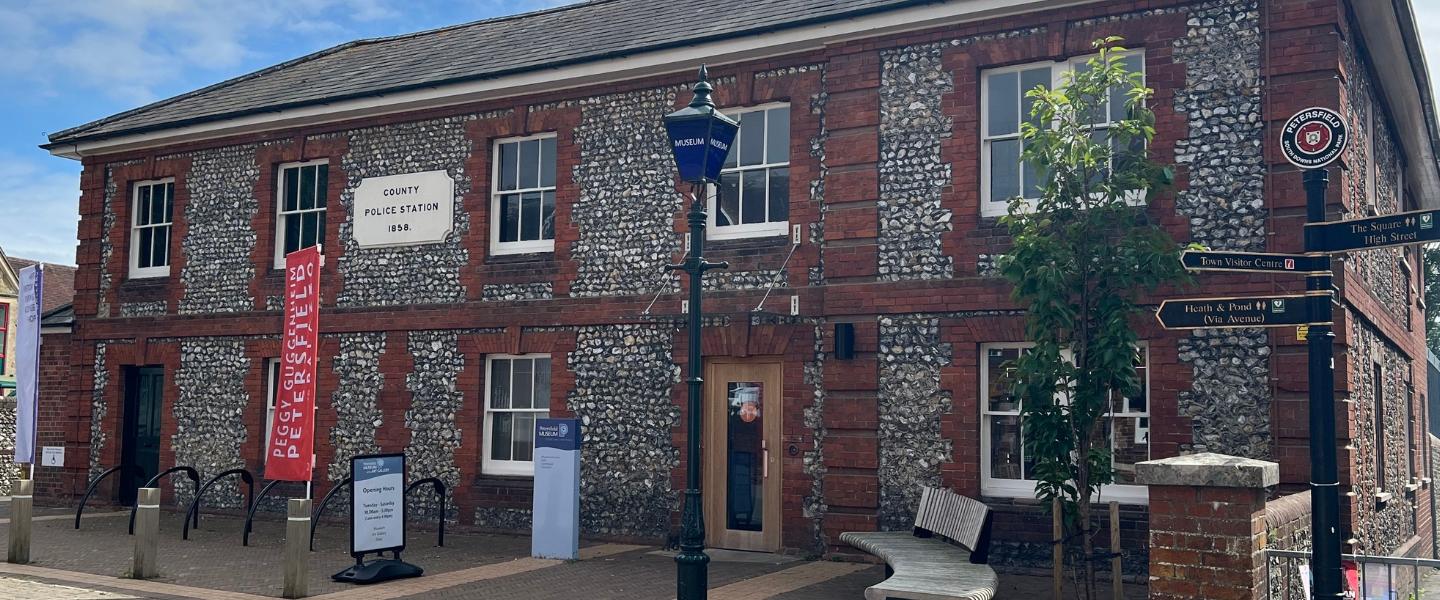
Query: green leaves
(1083,253)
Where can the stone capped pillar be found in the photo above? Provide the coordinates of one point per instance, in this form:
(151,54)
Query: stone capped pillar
(1207,526)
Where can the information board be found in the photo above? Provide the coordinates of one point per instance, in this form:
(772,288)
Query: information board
(52,456)
(556,530)
(377,503)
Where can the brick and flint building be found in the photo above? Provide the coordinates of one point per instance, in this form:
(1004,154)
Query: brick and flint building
(878,146)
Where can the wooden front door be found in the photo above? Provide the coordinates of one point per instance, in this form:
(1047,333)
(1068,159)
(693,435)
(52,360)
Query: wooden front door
(140,443)
(741,453)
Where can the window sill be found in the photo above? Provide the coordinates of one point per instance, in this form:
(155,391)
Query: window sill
(514,482)
(146,281)
(745,232)
(1381,498)
(151,276)
(1411,487)
(1130,495)
(529,248)
(536,257)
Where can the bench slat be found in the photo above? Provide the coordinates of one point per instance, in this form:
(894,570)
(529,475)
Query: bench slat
(925,569)
(956,517)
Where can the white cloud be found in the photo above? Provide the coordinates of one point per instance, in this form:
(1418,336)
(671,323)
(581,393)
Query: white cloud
(40,202)
(136,51)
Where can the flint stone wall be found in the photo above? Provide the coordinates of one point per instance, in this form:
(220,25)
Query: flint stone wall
(435,399)
(623,379)
(1373,178)
(912,446)
(219,238)
(209,414)
(356,399)
(627,205)
(1224,199)
(1380,527)
(113,194)
(425,274)
(913,84)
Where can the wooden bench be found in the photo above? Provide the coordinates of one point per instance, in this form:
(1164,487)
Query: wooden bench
(943,558)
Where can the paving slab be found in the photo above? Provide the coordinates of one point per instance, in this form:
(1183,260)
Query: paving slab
(213,565)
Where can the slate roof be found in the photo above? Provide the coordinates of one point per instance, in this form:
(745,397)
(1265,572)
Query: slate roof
(59,283)
(567,35)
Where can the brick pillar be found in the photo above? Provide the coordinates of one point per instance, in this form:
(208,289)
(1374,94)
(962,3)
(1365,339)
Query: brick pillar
(1207,526)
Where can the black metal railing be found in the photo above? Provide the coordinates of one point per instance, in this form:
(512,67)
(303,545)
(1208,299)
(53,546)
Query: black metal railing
(90,489)
(194,508)
(440,494)
(255,505)
(345,483)
(188,471)
(1377,576)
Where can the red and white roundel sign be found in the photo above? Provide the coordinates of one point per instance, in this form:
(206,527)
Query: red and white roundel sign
(1314,138)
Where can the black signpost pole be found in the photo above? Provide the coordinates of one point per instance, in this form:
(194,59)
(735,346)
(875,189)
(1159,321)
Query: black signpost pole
(1324,473)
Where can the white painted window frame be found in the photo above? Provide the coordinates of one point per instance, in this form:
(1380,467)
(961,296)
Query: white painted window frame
(1025,488)
(498,247)
(488,465)
(990,208)
(272,392)
(136,271)
(750,230)
(281,214)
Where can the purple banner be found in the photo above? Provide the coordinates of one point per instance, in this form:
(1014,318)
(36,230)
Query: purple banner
(27,363)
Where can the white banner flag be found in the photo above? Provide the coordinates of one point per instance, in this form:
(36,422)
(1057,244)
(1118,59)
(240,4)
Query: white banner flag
(27,362)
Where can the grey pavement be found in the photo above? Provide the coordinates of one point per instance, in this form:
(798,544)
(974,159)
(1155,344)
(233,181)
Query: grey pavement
(89,564)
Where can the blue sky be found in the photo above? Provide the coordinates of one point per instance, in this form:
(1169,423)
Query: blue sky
(64,63)
(68,62)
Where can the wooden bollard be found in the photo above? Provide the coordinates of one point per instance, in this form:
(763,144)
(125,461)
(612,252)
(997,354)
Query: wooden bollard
(1057,551)
(297,549)
(147,533)
(21,504)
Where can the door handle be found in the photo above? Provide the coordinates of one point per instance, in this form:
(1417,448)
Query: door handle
(764,460)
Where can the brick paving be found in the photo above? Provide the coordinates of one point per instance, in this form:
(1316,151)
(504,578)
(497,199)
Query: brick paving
(24,589)
(213,565)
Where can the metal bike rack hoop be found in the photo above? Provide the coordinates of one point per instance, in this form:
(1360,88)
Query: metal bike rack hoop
(189,472)
(195,504)
(439,491)
(90,489)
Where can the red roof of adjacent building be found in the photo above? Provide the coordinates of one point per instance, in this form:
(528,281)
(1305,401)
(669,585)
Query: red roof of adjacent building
(59,282)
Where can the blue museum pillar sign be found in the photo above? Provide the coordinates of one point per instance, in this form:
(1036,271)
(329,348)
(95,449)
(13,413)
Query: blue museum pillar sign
(556,530)
(377,512)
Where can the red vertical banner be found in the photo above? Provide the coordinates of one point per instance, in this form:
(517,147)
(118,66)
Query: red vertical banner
(290,456)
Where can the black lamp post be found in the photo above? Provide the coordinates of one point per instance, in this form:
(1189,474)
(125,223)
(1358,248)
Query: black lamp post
(700,138)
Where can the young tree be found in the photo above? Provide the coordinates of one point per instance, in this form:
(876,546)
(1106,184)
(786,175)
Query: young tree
(1083,253)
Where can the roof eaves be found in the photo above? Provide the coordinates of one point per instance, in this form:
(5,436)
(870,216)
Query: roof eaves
(77,135)
(73,134)
(1410,35)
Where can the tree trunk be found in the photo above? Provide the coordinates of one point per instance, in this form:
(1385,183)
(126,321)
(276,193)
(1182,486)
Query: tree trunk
(1087,545)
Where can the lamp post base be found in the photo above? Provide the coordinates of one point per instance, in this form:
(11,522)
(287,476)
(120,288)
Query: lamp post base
(693,574)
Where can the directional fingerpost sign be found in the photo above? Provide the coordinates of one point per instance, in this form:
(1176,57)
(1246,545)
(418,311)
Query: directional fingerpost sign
(1401,229)
(1253,262)
(1314,138)
(1203,313)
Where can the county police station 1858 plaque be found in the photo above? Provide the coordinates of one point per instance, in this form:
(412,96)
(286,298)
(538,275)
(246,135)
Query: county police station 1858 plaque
(404,210)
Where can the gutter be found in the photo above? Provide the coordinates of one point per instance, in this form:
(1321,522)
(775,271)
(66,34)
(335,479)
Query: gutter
(1410,36)
(65,137)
